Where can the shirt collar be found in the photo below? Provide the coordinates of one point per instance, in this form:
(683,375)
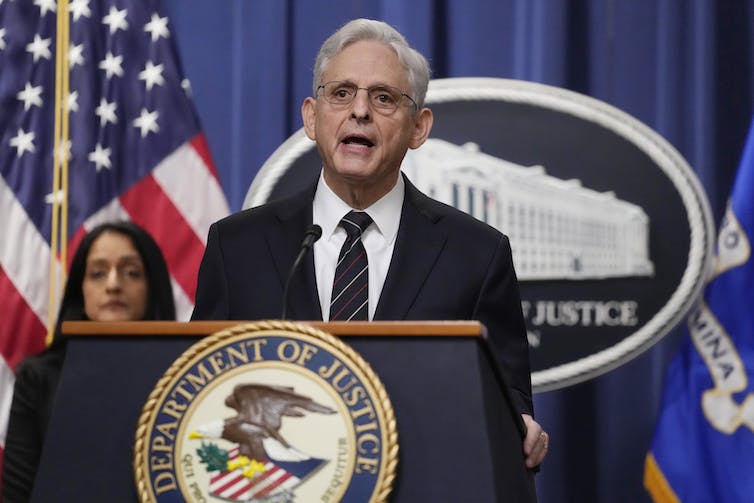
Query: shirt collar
(328,209)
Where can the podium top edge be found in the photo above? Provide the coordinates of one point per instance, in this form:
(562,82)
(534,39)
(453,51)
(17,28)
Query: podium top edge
(339,328)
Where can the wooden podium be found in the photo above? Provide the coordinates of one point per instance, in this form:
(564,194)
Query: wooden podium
(459,438)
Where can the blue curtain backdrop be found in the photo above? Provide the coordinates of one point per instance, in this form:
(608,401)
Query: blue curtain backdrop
(683,67)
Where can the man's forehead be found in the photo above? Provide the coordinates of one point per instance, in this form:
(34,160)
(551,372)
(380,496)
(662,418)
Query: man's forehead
(366,63)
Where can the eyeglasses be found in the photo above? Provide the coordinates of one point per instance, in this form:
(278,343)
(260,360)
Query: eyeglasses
(384,99)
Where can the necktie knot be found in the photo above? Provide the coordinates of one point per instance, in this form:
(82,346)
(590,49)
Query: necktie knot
(355,222)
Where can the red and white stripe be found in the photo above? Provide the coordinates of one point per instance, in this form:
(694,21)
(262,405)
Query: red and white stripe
(235,485)
(176,204)
(24,283)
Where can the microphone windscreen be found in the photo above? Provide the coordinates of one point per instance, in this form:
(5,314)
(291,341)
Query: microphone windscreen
(316,231)
(313,233)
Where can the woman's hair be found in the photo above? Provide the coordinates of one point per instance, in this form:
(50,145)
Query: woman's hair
(358,30)
(160,305)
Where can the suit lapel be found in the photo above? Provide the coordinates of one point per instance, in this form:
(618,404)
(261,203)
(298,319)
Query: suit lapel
(284,242)
(417,248)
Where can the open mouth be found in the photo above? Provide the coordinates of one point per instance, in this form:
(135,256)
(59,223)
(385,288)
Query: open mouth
(357,140)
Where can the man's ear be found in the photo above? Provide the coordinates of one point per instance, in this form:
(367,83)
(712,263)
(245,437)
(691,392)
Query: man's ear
(422,126)
(309,116)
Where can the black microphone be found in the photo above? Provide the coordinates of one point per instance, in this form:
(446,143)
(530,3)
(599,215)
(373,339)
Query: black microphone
(313,233)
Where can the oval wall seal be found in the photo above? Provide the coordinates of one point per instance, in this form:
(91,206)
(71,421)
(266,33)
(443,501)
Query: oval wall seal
(610,229)
(267,412)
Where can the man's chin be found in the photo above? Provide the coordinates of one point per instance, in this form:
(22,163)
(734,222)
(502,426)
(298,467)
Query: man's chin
(354,165)
(352,173)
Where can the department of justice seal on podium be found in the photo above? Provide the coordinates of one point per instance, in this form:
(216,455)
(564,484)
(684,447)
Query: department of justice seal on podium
(267,412)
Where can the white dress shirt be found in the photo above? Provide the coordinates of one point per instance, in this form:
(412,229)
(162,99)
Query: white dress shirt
(379,239)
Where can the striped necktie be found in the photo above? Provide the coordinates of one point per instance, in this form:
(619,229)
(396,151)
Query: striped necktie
(350,291)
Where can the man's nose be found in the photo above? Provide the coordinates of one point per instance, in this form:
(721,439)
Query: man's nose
(360,107)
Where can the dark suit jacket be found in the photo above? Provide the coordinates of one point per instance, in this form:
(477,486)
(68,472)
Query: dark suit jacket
(446,265)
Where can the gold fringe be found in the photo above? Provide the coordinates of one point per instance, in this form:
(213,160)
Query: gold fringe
(656,483)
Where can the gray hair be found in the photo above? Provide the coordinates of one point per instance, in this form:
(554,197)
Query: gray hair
(368,29)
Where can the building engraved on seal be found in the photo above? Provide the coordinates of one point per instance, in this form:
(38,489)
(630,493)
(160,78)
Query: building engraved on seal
(558,229)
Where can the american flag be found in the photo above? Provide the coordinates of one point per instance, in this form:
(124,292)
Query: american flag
(135,150)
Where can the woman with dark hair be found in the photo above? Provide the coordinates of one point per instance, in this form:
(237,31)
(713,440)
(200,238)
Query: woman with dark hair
(118,273)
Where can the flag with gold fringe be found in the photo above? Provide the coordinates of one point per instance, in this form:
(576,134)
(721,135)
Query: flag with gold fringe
(703,446)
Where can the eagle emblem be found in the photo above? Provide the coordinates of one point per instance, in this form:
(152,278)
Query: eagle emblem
(262,466)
